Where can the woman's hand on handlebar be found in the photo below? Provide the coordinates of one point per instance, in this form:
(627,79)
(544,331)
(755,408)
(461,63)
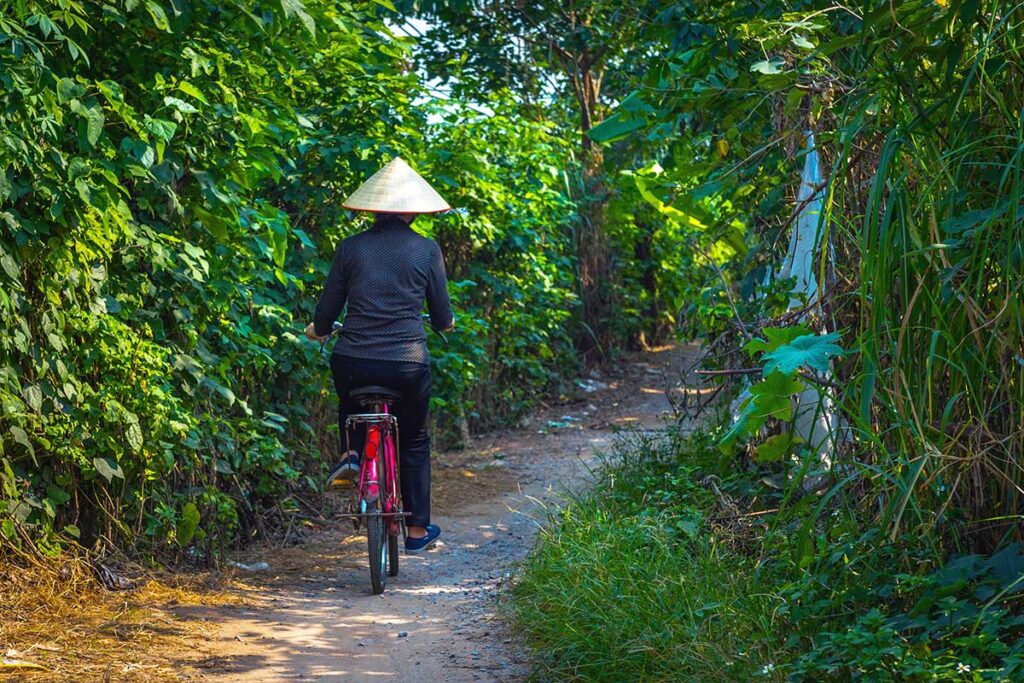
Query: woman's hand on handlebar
(311,333)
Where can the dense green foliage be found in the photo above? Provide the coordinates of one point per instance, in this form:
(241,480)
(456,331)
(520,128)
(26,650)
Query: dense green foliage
(566,64)
(170,181)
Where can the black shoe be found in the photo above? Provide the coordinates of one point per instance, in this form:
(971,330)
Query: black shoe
(345,472)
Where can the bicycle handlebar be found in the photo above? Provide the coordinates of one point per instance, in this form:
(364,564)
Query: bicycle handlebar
(335,327)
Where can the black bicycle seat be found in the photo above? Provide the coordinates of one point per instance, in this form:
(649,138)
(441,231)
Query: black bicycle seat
(373,392)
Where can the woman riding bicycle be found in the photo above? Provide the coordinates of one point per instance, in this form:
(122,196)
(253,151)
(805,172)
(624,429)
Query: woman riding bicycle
(384,275)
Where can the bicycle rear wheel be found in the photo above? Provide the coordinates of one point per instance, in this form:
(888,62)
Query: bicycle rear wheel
(376,531)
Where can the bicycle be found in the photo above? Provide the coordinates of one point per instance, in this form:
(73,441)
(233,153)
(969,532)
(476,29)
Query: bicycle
(376,500)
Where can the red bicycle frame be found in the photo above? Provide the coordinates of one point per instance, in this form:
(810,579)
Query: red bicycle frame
(380,450)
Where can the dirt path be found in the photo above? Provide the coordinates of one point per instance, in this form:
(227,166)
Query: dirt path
(310,616)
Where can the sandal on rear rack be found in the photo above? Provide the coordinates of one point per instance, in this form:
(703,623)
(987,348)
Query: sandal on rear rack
(418,545)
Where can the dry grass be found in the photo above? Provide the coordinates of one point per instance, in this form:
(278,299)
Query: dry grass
(58,616)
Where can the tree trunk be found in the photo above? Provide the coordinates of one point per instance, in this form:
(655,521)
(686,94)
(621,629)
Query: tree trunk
(592,248)
(644,253)
(592,255)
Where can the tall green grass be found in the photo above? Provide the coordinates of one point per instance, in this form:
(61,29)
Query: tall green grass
(623,586)
(930,220)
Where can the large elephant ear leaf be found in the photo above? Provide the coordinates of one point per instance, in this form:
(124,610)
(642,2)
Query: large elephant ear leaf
(811,351)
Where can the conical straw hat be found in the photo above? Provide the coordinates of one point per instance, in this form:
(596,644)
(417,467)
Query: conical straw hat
(396,188)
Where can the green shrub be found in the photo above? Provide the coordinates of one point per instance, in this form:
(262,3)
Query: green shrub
(861,615)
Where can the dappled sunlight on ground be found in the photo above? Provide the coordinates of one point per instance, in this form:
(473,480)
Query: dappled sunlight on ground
(435,620)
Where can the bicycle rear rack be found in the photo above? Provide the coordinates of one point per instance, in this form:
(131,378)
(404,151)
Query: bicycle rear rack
(371,418)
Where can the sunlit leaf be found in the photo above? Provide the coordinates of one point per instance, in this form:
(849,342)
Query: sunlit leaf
(192,91)
(34,397)
(774,338)
(158,15)
(811,351)
(108,469)
(179,104)
(297,8)
(801,41)
(615,127)
(772,396)
(775,65)
(161,128)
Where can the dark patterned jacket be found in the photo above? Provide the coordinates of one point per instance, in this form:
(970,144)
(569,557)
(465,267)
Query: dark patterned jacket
(384,275)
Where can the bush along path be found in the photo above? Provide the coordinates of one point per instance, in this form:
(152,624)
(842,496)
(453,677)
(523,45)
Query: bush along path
(305,611)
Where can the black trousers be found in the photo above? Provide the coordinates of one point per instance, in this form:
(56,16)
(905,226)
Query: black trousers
(412,380)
